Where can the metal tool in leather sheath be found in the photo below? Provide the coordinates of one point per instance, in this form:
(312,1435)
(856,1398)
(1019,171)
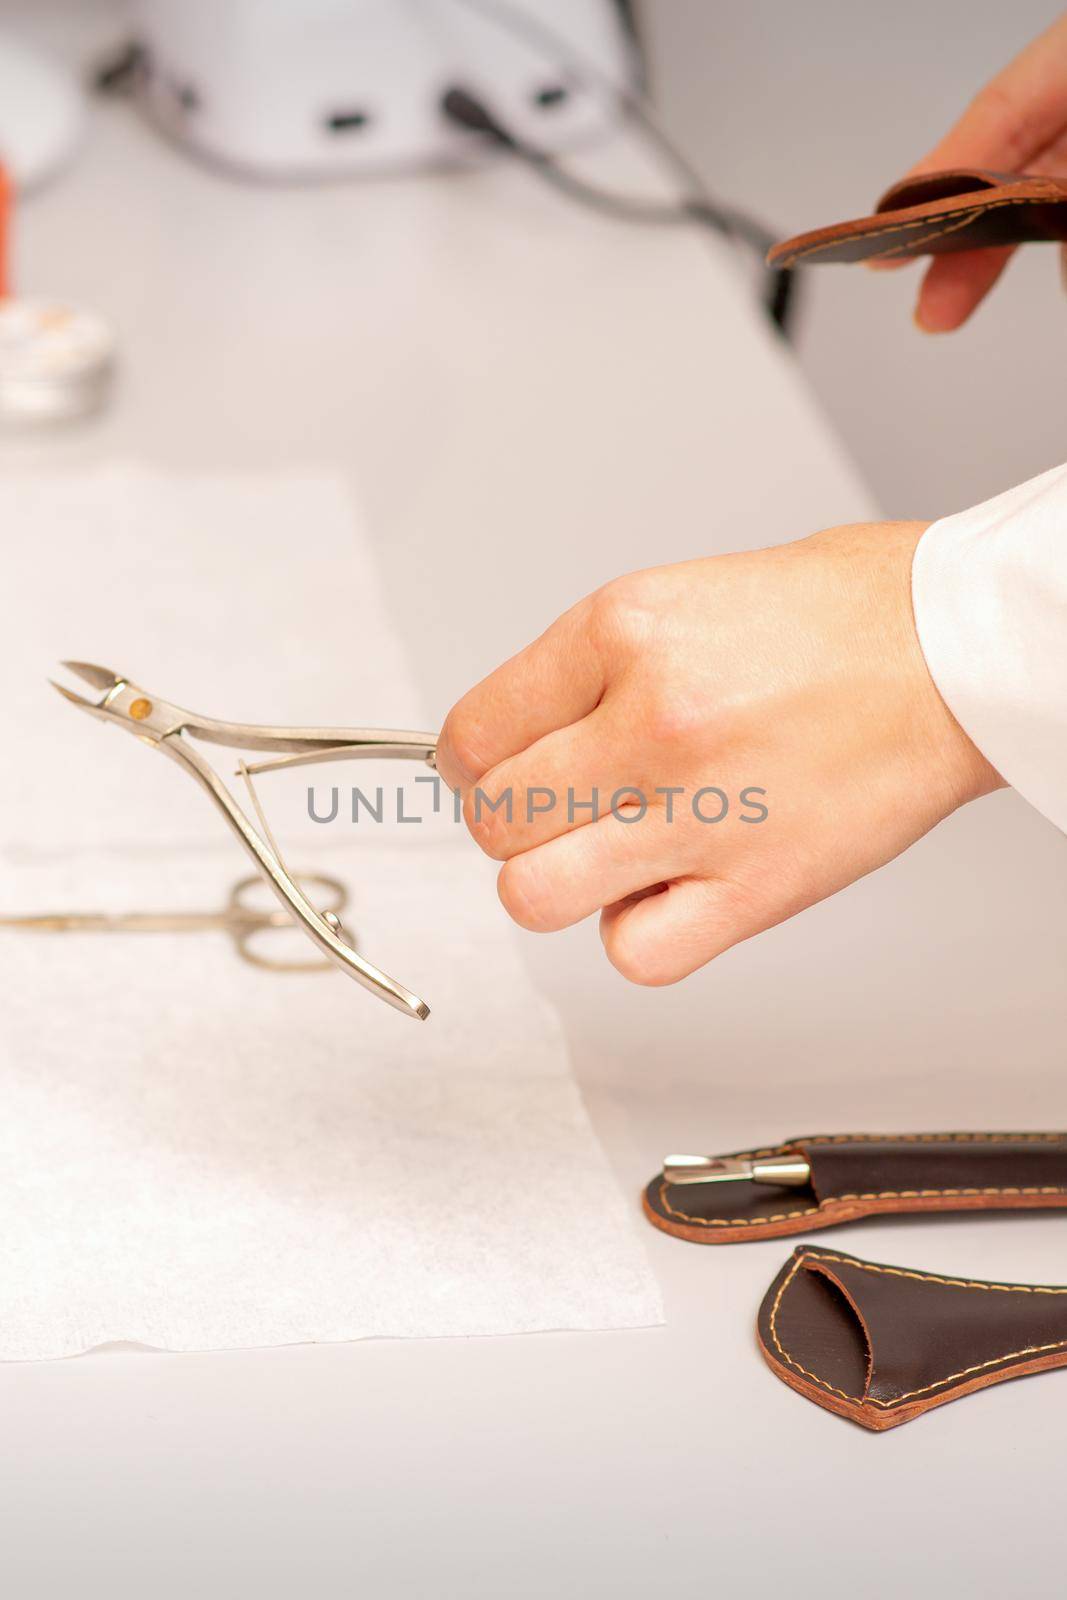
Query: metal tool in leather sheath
(937,213)
(881,1345)
(825,1180)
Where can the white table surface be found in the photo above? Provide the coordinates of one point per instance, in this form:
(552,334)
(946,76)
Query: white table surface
(527,400)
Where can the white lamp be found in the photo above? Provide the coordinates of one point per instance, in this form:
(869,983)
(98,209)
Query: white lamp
(301,88)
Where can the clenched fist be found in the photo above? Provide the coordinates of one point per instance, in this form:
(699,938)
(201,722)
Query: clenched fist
(700,751)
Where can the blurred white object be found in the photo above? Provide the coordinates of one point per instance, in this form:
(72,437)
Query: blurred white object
(41,114)
(299,88)
(56,362)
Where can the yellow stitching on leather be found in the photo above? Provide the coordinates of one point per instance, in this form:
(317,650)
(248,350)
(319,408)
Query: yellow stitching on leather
(935,1277)
(1029,1350)
(838,1200)
(852,1399)
(969,213)
(939,233)
(923,1194)
(922,1277)
(916,1138)
(881,1194)
(730,1222)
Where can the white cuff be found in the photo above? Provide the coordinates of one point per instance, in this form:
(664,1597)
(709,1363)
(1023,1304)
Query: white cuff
(989,587)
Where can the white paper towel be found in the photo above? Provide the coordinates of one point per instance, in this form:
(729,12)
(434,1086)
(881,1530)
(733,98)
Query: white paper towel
(198,1154)
(254,599)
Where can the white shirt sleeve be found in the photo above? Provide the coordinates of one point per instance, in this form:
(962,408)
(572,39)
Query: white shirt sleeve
(989,587)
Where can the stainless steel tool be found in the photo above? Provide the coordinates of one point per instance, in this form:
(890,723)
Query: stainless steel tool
(787,1171)
(241,918)
(170,729)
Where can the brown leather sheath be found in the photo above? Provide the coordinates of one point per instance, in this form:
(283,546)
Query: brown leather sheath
(869,1174)
(966,209)
(880,1345)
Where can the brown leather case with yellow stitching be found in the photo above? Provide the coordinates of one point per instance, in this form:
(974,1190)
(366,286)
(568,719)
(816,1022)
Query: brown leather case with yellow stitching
(966,209)
(858,1175)
(881,1345)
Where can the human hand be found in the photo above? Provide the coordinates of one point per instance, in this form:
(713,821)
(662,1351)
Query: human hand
(1018,124)
(793,671)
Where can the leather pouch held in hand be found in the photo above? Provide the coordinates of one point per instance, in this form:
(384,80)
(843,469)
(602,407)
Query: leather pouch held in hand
(860,1175)
(881,1345)
(939,212)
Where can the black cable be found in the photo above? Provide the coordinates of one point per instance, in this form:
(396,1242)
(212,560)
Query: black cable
(475,116)
(466,111)
(121,71)
(462,108)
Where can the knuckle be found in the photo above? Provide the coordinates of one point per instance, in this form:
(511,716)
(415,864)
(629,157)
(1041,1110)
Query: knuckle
(674,716)
(622,613)
(622,954)
(526,896)
(1015,125)
(638,958)
(722,915)
(461,748)
(488,827)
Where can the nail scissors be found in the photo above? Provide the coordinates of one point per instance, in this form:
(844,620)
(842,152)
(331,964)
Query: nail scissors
(169,728)
(241,917)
